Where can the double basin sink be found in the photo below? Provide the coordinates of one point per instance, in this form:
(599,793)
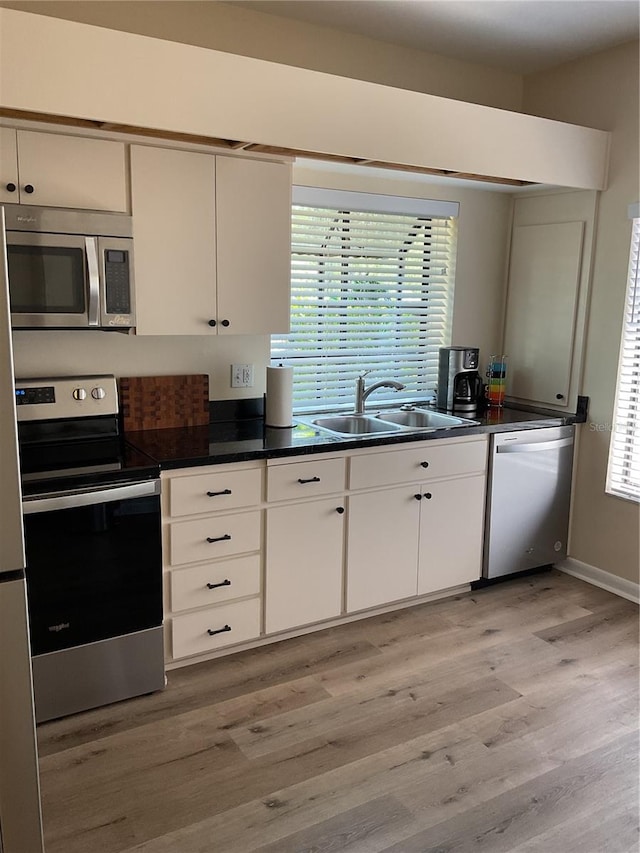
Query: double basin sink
(392,421)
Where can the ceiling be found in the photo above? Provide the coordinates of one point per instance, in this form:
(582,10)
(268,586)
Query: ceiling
(521,36)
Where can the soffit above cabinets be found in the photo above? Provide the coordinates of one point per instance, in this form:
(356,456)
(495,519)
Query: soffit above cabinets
(184,92)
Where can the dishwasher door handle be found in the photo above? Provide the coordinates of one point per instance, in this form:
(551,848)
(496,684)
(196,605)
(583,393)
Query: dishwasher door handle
(534,446)
(73,499)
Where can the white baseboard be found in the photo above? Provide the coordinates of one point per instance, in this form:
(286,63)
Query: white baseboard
(598,577)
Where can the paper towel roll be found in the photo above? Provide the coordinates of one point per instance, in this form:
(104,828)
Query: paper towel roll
(279,402)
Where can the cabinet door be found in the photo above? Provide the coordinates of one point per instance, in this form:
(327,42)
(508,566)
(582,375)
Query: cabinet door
(254,246)
(72,171)
(544,279)
(173,202)
(304,559)
(382,547)
(451,530)
(8,165)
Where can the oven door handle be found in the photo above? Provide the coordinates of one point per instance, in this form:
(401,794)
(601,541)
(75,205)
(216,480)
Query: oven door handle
(72,499)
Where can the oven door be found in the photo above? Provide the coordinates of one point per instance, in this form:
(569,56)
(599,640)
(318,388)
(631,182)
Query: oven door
(94,565)
(53,280)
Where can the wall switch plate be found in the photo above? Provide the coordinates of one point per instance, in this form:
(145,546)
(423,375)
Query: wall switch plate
(242,376)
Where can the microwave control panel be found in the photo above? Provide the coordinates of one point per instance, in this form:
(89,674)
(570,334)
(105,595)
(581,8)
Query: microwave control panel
(117,284)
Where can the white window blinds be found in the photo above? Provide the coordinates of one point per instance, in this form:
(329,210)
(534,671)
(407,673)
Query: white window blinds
(371,290)
(623,476)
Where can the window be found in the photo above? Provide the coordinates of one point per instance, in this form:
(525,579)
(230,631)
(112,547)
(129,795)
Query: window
(623,476)
(371,290)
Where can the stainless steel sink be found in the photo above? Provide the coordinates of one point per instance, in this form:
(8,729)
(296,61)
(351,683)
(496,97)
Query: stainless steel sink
(389,422)
(421,419)
(355,424)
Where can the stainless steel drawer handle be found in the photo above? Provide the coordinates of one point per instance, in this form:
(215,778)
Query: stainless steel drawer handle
(215,494)
(219,538)
(218,630)
(225,582)
(310,480)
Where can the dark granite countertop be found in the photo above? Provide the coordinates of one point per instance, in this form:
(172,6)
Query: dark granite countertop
(246,439)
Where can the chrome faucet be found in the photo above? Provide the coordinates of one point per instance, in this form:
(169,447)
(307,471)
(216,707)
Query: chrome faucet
(362,393)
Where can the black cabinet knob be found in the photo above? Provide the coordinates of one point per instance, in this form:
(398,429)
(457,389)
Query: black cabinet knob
(425,464)
(212,323)
(29,188)
(418,497)
(225,323)
(559,396)
(339,510)
(428,495)
(11,188)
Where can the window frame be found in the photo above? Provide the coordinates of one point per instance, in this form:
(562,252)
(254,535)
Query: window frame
(356,208)
(623,469)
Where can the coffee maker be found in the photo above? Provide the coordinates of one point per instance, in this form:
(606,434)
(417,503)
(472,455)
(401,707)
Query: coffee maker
(459,383)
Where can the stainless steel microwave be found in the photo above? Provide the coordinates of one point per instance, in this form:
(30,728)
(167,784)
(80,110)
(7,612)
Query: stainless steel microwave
(69,269)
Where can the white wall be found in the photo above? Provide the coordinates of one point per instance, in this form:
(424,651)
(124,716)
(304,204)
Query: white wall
(56,353)
(271,37)
(601,91)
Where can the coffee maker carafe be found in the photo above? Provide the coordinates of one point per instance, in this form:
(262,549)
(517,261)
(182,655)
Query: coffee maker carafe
(459,383)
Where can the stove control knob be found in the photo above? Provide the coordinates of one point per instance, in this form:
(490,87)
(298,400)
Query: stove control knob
(98,393)
(79,394)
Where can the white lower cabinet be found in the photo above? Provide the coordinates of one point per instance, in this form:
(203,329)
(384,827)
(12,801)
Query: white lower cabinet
(382,549)
(214,583)
(451,533)
(212,558)
(211,629)
(422,537)
(304,542)
(254,548)
(304,564)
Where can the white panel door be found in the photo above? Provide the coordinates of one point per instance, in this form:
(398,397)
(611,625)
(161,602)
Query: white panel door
(451,531)
(254,246)
(304,560)
(382,547)
(544,278)
(72,171)
(173,205)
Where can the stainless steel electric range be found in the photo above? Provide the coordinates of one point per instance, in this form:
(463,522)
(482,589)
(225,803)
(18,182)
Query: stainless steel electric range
(91,508)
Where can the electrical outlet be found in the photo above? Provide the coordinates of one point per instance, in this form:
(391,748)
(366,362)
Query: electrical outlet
(242,376)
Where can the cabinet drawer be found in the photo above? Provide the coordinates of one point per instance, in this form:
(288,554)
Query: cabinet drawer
(201,586)
(305,479)
(427,460)
(215,490)
(230,623)
(231,534)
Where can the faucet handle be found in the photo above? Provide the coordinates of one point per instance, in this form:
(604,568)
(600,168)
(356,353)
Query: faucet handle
(365,373)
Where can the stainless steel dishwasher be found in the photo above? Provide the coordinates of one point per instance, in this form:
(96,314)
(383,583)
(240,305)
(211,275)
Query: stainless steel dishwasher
(528,500)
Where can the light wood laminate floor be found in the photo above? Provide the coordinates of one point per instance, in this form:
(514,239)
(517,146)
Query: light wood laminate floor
(498,720)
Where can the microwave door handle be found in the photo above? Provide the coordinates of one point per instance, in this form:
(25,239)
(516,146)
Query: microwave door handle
(91,245)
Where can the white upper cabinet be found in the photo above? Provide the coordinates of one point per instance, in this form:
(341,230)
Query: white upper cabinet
(54,170)
(254,245)
(548,296)
(173,206)
(544,278)
(212,243)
